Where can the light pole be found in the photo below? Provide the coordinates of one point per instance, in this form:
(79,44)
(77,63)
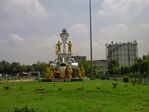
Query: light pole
(91,53)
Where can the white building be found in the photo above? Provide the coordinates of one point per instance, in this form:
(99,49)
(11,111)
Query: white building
(124,53)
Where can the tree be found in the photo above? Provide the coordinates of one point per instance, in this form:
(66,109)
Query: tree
(40,66)
(145,75)
(21,69)
(124,70)
(14,68)
(5,67)
(29,68)
(113,67)
(87,67)
(116,70)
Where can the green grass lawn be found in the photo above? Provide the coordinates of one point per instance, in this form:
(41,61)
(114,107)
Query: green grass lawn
(86,96)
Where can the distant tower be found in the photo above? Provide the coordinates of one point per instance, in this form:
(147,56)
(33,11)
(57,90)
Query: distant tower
(124,53)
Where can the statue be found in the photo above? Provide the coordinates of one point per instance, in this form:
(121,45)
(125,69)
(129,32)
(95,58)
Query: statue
(79,72)
(68,72)
(50,72)
(82,71)
(62,72)
(69,47)
(64,66)
(58,48)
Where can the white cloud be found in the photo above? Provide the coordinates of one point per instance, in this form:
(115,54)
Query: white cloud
(24,8)
(115,32)
(79,28)
(121,8)
(81,48)
(48,42)
(124,33)
(15,39)
(32,31)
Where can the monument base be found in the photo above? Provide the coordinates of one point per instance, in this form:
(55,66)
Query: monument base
(76,79)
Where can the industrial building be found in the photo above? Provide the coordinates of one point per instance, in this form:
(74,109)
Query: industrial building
(79,58)
(124,53)
(101,64)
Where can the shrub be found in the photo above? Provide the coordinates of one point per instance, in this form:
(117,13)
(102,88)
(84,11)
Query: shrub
(115,84)
(6,87)
(40,89)
(102,77)
(77,79)
(98,88)
(80,88)
(44,80)
(125,79)
(60,89)
(108,78)
(26,108)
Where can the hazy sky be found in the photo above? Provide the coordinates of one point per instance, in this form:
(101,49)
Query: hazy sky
(29,29)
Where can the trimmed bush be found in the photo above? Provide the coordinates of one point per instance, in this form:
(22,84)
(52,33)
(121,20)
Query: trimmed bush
(115,84)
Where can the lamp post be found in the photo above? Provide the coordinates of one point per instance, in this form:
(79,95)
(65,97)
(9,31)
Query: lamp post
(91,53)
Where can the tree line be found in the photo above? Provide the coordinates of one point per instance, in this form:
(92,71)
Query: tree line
(139,71)
(14,68)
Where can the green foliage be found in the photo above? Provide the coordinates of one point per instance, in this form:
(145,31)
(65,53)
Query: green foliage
(113,67)
(5,67)
(102,77)
(140,70)
(125,78)
(6,87)
(116,70)
(115,84)
(40,66)
(98,88)
(80,88)
(125,85)
(60,89)
(145,76)
(124,70)
(141,65)
(40,88)
(87,67)
(26,108)
(14,68)
(72,100)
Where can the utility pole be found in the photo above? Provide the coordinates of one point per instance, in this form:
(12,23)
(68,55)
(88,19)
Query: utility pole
(91,53)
